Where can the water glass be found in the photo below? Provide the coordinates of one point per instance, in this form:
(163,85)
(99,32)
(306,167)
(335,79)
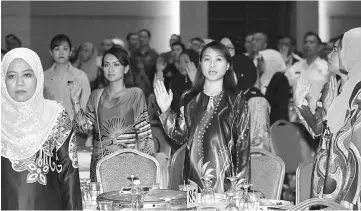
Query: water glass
(207,196)
(105,205)
(231,204)
(94,190)
(155,186)
(182,187)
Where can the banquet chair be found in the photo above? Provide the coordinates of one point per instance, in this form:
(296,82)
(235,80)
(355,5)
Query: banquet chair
(176,168)
(316,202)
(287,142)
(112,170)
(160,139)
(304,180)
(267,173)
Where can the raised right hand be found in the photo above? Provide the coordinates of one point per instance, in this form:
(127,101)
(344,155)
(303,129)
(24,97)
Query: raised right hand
(191,71)
(164,99)
(75,91)
(302,89)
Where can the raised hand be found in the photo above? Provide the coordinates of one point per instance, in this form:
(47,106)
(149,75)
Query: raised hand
(164,99)
(284,52)
(75,91)
(331,94)
(302,89)
(191,71)
(161,64)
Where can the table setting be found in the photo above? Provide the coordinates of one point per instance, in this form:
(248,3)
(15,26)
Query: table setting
(149,197)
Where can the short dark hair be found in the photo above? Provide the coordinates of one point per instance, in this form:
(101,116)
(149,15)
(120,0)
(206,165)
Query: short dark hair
(123,57)
(293,40)
(130,34)
(178,36)
(12,36)
(310,33)
(197,39)
(180,44)
(147,31)
(58,39)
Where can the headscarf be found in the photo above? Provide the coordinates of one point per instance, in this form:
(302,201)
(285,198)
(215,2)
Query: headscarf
(273,63)
(90,66)
(117,41)
(25,126)
(351,52)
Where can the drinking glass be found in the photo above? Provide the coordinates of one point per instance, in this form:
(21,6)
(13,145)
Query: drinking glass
(231,206)
(94,190)
(105,205)
(244,202)
(85,194)
(168,201)
(207,195)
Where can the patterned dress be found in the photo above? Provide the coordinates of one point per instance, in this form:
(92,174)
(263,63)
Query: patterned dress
(123,123)
(259,110)
(49,180)
(337,165)
(216,130)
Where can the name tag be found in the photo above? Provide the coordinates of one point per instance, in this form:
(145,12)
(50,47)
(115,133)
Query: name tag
(192,196)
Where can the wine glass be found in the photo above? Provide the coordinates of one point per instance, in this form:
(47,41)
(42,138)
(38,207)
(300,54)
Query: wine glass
(132,178)
(245,200)
(105,205)
(168,201)
(231,206)
(94,190)
(207,195)
(233,181)
(253,198)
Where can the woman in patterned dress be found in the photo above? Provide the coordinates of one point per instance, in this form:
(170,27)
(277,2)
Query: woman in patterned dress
(117,114)
(213,121)
(39,165)
(337,170)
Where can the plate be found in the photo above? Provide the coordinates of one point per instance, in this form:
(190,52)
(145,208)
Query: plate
(275,203)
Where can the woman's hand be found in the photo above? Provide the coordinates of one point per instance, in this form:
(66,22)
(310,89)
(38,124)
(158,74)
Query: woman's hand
(191,71)
(75,92)
(161,64)
(164,99)
(331,94)
(302,90)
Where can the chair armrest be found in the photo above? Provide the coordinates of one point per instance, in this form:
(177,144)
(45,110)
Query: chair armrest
(316,201)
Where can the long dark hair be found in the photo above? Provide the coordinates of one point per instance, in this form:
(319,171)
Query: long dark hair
(229,84)
(123,57)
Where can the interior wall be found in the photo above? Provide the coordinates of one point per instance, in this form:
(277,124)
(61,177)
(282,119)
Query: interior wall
(306,19)
(194,20)
(94,21)
(35,23)
(338,17)
(15,19)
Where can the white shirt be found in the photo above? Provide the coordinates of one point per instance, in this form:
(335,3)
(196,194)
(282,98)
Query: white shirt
(317,74)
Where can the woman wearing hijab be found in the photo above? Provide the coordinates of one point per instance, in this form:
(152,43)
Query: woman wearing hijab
(39,164)
(337,171)
(274,84)
(87,56)
(273,63)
